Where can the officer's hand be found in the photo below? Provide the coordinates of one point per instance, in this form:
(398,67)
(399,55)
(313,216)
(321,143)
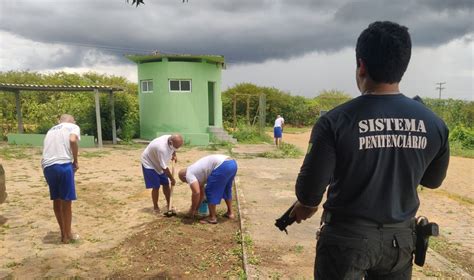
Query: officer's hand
(173,181)
(302,212)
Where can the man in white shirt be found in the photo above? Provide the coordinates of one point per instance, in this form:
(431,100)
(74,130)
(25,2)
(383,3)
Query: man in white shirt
(278,130)
(155,169)
(59,163)
(212,176)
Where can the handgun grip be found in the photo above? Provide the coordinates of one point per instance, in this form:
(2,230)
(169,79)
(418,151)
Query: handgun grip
(285,220)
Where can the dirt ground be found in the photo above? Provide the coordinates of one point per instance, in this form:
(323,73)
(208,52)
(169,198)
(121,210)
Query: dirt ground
(121,237)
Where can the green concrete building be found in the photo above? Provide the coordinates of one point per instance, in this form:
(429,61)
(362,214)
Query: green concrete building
(180,94)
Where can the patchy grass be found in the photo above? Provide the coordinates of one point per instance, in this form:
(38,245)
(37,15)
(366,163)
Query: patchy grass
(217,145)
(291,129)
(464,200)
(453,252)
(285,151)
(94,154)
(456,149)
(18,152)
(250,135)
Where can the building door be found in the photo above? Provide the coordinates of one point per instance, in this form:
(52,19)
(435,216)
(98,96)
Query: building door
(211,100)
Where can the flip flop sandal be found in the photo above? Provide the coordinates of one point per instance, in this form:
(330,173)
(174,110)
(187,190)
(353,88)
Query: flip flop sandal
(206,221)
(228,216)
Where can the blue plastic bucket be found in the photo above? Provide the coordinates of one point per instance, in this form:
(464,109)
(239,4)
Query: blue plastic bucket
(203,208)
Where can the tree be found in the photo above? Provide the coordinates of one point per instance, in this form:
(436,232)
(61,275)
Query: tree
(138,2)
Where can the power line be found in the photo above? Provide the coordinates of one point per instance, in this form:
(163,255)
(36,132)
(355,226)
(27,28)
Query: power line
(440,88)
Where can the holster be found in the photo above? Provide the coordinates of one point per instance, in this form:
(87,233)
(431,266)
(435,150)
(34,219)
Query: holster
(424,229)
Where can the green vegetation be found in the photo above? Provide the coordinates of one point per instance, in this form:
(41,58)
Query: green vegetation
(250,135)
(297,110)
(16,152)
(42,109)
(285,151)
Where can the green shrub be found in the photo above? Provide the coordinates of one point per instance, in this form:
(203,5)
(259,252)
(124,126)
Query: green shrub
(285,151)
(462,135)
(250,135)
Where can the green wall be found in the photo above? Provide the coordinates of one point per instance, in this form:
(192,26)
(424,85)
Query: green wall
(163,111)
(38,139)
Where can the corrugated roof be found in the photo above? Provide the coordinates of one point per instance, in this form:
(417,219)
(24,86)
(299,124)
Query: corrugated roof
(156,56)
(7,86)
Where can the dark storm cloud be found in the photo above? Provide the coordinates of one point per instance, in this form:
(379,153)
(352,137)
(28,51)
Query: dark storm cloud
(242,31)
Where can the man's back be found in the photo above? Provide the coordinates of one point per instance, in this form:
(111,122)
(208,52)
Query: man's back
(157,154)
(385,145)
(57,149)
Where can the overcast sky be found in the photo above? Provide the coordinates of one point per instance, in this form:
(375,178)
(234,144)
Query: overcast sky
(300,46)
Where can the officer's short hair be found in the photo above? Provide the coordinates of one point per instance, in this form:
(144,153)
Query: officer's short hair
(385,48)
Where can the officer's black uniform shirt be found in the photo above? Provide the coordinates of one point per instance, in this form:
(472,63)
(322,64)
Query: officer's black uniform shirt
(374,151)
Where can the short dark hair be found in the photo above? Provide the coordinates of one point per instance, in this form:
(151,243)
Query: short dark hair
(385,48)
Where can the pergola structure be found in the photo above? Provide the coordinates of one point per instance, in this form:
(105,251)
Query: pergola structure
(17,88)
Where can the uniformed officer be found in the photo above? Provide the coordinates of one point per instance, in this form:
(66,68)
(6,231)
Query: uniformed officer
(373,151)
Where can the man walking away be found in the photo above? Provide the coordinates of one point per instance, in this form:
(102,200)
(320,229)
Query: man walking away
(278,130)
(59,164)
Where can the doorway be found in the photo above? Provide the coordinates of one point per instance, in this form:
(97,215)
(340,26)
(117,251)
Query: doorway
(211,100)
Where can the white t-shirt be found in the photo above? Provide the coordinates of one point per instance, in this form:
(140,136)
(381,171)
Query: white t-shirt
(56,148)
(201,169)
(279,122)
(157,154)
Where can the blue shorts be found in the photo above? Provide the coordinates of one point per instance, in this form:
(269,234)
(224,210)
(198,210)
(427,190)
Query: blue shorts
(153,180)
(219,183)
(277,132)
(60,179)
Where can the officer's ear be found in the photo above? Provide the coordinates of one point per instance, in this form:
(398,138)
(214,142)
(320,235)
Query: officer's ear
(361,68)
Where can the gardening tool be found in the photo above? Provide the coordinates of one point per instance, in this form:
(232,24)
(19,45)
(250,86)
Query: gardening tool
(170,211)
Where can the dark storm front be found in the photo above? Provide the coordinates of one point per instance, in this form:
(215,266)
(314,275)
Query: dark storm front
(392,140)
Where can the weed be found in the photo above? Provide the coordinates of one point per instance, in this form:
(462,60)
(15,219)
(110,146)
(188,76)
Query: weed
(12,264)
(16,152)
(299,249)
(285,151)
(250,135)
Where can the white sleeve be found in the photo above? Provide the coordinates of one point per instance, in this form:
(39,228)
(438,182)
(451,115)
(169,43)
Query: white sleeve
(190,178)
(76,131)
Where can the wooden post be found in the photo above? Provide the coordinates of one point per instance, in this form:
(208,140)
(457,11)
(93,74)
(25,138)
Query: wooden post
(262,112)
(235,111)
(19,117)
(112,116)
(97,117)
(248,109)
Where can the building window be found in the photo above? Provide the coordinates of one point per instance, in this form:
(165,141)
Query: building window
(147,86)
(180,85)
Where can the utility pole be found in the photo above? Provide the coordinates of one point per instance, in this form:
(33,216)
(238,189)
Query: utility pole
(440,88)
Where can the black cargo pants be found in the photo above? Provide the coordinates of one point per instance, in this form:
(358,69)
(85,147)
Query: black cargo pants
(350,251)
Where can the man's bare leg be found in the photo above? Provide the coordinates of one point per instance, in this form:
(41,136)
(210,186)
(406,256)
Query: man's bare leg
(229,213)
(154,197)
(212,212)
(57,213)
(66,214)
(167,192)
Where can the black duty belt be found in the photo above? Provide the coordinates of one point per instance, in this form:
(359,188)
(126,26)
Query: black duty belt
(331,218)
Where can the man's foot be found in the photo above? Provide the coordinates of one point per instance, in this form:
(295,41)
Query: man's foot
(74,238)
(156,209)
(229,215)
(208,221)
